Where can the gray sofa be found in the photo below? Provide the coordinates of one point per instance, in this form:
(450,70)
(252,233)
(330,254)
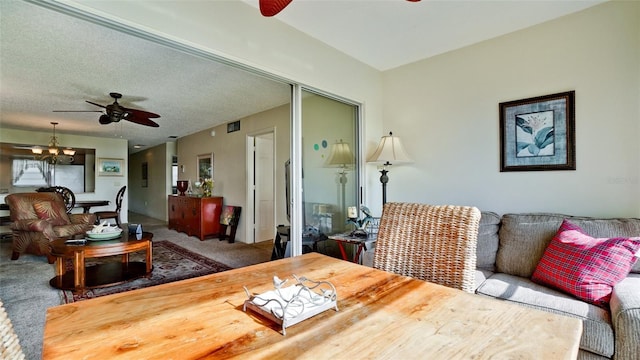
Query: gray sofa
(509,248)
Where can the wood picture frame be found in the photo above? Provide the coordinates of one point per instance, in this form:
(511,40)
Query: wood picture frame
(205,167)
(110,167)
(538,133)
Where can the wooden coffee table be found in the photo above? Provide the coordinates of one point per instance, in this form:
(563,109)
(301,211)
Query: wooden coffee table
(109,273)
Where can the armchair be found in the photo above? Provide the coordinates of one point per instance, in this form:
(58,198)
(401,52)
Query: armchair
(39,218)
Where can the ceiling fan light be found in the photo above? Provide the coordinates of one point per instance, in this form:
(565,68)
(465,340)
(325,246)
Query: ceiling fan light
(104,119)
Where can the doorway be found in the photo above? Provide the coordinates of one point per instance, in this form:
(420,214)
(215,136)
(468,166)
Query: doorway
(261,189)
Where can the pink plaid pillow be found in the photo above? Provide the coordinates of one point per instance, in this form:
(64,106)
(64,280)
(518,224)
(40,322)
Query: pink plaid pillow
(585,267)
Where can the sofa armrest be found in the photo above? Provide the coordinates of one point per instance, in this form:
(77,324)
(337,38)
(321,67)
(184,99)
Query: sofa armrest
(34,225)
(82,218)
(30,225)
(625,316)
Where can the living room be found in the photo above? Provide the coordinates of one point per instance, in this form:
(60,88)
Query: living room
(593,52)
(446,108)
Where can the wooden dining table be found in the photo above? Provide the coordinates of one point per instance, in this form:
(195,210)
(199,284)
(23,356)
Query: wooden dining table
(380,316)
(86,205)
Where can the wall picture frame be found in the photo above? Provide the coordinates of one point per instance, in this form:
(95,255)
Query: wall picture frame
(538,133)
(205,166)
(110,167)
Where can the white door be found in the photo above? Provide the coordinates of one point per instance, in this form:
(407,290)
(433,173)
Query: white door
(264,185)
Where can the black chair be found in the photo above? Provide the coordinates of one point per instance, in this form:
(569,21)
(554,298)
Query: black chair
(67,195)
(101,215)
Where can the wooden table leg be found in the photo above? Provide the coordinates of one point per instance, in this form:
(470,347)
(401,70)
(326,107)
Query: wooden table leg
(78,270)
(149,259)
(60,266)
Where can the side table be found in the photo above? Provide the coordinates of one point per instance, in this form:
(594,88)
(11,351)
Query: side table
(359,242)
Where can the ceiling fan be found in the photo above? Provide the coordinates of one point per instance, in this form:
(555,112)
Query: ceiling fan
(116,112)
(273,7)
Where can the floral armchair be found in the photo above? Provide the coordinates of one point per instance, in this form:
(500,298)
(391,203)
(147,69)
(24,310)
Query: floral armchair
(39,218)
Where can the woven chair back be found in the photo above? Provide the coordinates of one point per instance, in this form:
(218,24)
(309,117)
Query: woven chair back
(431,243)
(9,344)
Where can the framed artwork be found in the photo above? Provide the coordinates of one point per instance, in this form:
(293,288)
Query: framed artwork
(538,133)
(110,167)
(205,166)
(145,174)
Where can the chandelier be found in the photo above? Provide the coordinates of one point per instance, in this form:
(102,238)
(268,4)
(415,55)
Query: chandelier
(54,152)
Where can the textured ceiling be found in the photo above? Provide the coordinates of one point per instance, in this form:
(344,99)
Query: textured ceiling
(68,61)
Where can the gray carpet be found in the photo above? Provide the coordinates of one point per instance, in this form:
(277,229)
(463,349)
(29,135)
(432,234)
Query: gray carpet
(26,294)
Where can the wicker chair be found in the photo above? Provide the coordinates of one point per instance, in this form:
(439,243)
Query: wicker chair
(431,243)
(9,343)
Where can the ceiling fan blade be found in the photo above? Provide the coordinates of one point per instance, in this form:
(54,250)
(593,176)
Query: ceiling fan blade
(141,113)
(96,104)
(141,120)
(272,7)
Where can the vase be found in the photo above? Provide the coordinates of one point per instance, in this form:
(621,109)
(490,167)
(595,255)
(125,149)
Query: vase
(182,186)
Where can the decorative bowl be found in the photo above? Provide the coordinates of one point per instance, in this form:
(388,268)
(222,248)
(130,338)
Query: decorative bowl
(104,235)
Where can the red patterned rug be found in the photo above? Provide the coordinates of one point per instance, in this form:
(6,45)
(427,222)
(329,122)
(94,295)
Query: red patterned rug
(170,263)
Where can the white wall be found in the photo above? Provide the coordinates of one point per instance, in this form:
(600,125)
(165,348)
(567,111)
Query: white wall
(106,186)
(445,109)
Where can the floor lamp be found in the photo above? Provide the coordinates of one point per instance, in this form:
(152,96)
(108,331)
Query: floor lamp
(389,151)
(341,157)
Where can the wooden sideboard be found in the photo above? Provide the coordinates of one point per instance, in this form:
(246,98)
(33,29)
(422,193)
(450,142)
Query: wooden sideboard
(195,216)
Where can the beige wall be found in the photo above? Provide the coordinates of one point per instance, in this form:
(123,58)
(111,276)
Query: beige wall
(106,187)
(230,158)
(445,109)
(152,199)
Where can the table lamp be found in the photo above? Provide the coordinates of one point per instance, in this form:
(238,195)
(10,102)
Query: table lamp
(341,157)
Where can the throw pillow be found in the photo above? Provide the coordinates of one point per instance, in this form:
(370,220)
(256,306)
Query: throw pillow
(52,211)
(586,267)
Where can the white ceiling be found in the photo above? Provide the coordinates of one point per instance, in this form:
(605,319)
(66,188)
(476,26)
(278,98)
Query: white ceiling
(68,61)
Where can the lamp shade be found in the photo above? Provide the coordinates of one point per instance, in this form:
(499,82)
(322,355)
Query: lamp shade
(340,155)
(390,150)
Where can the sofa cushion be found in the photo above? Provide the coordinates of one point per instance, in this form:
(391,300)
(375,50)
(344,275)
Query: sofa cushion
(487,241)
(53,211)
(583,266)
(524,237)
(597,334)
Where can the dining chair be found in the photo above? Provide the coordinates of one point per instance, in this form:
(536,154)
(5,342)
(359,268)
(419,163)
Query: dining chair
(67,195)
(115,214)
(431,243)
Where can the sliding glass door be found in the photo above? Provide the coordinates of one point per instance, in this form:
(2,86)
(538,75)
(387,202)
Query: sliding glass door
(326,144)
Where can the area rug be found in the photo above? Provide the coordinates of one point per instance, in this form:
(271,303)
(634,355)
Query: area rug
(170,263)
